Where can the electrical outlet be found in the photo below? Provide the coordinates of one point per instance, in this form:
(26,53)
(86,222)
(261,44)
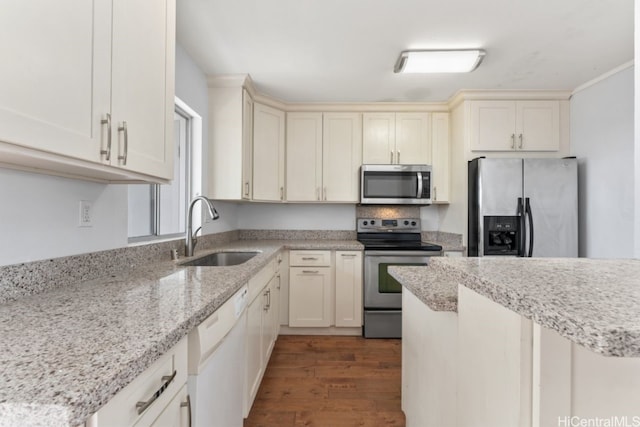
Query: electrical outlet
(85,214)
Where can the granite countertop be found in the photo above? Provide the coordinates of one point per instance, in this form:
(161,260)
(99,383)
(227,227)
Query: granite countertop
(594,303)
(67,352)
(433,287)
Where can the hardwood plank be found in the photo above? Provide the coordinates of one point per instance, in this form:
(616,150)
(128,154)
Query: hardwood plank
(330,381)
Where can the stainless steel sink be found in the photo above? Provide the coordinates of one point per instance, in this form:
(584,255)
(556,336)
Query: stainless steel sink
(221,259)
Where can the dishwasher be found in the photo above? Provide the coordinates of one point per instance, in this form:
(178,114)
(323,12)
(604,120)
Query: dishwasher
(216,365)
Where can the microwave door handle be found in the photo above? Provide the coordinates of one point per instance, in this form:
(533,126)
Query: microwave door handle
(419,174)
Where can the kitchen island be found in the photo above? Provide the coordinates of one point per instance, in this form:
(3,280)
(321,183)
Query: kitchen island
(539,341)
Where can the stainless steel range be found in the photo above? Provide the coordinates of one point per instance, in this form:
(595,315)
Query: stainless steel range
(388,242)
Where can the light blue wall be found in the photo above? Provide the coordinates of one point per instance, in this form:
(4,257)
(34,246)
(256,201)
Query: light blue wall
(602,138)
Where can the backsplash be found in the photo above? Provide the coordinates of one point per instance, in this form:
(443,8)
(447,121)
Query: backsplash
(297,235)
(394,211)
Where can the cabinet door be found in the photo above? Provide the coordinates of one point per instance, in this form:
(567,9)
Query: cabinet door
(268,153)
(269,320)
(55,75)
(143,85)
(492,125)
(309,296)
(283,272)
(247,145)
(378,138)
(254,356)
(341,157)
(440,157)
(348,288)
(304,157)
(176,414)
(413,138)
(538,125)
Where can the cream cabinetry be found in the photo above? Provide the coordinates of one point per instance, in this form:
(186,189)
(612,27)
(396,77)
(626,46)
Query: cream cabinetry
(396,138)
(268,153)
(324,153)
(310,289)
(503,125)
(156,397)
(283,273)
(440,157)
(230,141)
(348,283)
(262,327)
(92,98)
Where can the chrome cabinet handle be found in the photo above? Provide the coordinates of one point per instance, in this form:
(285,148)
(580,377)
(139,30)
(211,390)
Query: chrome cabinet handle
(142,406)
(435,193)
(123,128)
(325,193)
(310,271)
(520,136)
(107,152)
(279,281)
(281,193)
(187,405)
(309,258)
(391,161)
(348,255)
(246,188)
(398,157)
(513,141)
(317,193)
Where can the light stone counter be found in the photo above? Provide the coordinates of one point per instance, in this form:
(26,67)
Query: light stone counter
(594,303)
(66,352)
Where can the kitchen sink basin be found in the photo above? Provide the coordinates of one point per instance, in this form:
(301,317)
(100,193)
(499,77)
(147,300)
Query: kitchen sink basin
(221,259)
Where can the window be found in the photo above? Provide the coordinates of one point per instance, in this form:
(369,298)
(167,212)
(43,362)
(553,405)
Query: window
(159,211)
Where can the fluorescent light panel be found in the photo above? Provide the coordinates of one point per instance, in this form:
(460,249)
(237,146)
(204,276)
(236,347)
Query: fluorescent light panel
(439,61)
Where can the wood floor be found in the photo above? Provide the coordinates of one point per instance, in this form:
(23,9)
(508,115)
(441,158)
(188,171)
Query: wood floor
(329,381)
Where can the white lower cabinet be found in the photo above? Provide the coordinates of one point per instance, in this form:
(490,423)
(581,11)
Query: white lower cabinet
(348,301)
(262,327)
(325,288)
(153,398)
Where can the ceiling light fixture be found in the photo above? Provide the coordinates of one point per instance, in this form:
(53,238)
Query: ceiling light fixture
(439,61)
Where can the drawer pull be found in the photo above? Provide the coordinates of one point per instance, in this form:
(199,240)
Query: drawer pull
(142,406)
(187,405)
(309,258)
(310,272)
(348,255)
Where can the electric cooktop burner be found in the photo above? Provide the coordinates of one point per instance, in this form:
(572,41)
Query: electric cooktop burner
(393,234)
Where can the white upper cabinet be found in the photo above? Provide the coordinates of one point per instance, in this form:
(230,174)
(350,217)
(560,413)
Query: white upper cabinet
(230,141)
(55,75)
(440,157)
(268,153)
(515,125)
(143,85)
(304,157)
(323,156)
(95,85)
(341,156)
(396,138)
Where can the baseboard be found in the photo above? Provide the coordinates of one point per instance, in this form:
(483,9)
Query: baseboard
(286,330)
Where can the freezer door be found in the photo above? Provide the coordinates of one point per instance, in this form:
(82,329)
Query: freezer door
(499,187)
(551,185)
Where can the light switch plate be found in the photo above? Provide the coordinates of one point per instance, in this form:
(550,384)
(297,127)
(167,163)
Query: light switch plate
(85,214)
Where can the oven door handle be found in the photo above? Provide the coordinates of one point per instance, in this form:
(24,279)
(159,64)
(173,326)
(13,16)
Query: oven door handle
(419,174)
(402,253)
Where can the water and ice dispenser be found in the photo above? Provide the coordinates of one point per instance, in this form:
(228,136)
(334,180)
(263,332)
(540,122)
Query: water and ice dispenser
(501,235)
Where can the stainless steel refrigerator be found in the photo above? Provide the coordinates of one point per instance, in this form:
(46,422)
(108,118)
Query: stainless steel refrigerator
(523,207)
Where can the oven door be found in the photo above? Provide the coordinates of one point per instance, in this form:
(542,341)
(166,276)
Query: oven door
(381,291)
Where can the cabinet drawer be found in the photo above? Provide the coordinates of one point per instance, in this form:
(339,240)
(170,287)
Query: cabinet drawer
(310,258)
(121,410)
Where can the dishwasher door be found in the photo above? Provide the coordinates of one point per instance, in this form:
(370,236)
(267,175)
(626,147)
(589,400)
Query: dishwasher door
(216,392)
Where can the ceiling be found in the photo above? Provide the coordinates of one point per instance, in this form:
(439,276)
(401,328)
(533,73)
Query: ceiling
(345,50)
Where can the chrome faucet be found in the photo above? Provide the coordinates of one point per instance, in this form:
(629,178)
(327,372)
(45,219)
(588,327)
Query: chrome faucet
(191,237)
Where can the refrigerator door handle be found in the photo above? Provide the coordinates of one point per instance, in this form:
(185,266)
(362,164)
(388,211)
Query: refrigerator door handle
(523,234)
(530,215)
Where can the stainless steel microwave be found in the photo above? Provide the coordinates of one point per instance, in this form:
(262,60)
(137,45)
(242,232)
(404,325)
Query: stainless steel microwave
(395,184)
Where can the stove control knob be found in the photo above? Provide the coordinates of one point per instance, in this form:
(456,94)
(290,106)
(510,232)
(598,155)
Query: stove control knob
(365,223)
(373,222)
(413,223)
(406,223)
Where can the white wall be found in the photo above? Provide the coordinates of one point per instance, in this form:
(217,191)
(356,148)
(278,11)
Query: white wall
(602,138)
(191,87)
(637,134)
